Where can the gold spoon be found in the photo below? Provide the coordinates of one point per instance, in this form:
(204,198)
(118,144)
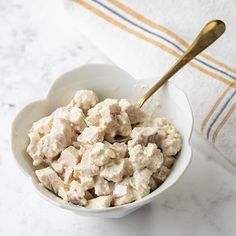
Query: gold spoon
(208,35)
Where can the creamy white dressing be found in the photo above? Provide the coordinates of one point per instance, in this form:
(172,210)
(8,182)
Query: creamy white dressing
(88,163)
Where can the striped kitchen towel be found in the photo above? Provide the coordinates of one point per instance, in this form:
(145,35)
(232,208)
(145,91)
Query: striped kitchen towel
(146,37)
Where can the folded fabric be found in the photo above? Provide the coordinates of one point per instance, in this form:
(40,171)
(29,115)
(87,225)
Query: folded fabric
(146,37)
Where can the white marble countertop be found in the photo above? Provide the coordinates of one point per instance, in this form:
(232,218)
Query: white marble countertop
(36,45)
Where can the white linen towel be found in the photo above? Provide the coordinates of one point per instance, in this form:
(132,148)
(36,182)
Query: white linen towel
(146,37)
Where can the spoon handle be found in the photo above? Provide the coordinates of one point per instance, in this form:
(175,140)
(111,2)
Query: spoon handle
(208,35)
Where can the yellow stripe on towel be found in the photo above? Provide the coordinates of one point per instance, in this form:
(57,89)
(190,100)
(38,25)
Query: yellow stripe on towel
(165,30)
(214,107)
(151,41)
(220,126)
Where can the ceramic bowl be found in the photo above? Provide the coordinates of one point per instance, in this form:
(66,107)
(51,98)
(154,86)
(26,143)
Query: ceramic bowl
(106,81)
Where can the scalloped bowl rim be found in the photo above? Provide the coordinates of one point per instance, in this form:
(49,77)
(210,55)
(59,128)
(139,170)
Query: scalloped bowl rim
(65,205)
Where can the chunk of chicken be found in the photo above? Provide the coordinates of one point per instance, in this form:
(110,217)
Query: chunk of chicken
(72,114)
(129,197)
(84,99)
(120,149)
(149,157)
(144,135)
(108,114)
(100,154)
(57,140)
(76,194)
(38,130)
(100,202)
(70,157)
(152,183)
(87,166)
(140,182)
(162,174)
(123,193)
(91,135)
(116,170)
(119,126)
(42,126)
(50,145)
(105,109)
(121,188)
(102,186)
(134,112)
(169,161)
(49,178)
(87,182)
(172,142)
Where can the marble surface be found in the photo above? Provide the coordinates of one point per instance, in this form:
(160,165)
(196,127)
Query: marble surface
(36,45)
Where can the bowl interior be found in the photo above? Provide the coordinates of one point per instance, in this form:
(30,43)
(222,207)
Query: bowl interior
(106,81)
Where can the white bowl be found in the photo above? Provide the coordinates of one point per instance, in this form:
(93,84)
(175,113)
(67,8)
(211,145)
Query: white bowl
(106,81)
